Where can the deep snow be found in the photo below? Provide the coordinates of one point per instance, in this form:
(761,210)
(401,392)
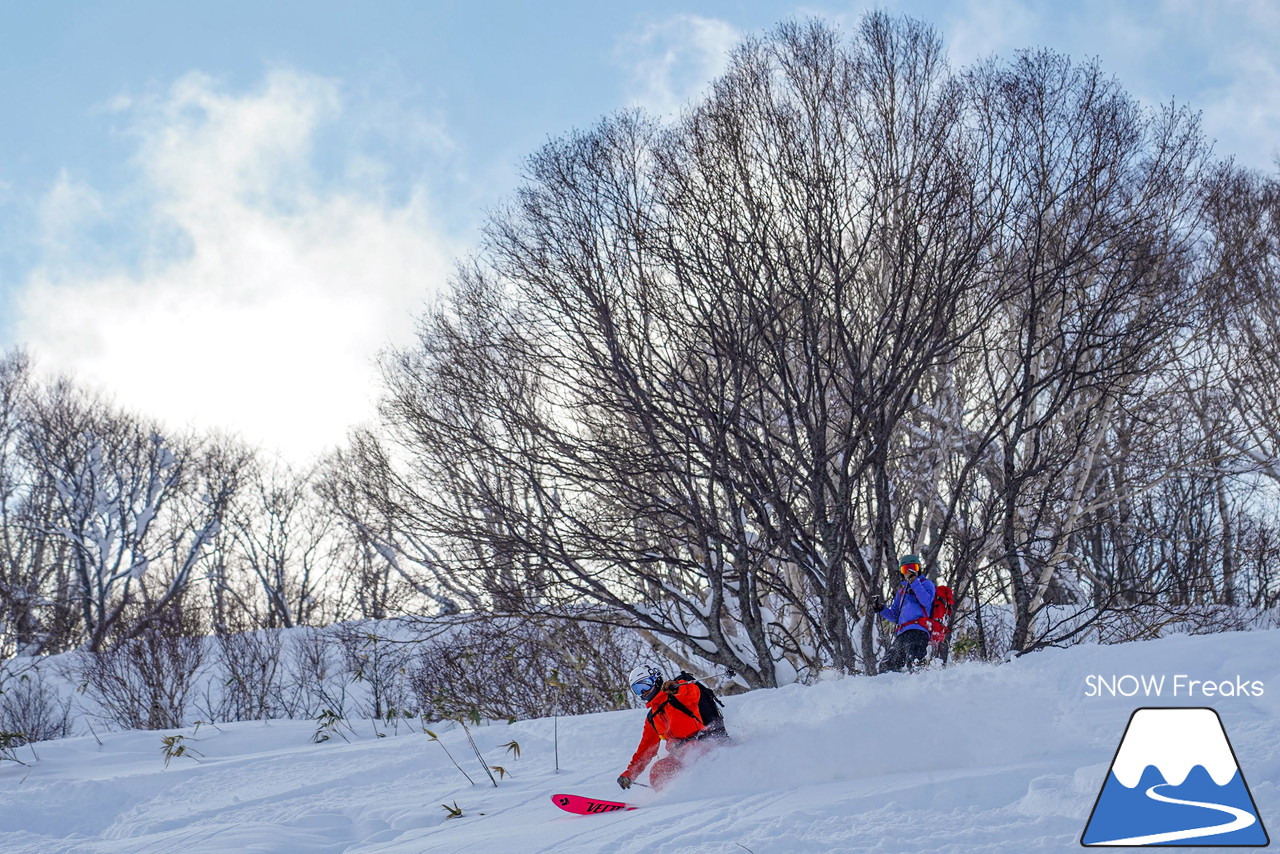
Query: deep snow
(959,759)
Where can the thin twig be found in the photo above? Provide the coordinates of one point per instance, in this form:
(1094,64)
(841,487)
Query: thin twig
(483,764)
(437,740)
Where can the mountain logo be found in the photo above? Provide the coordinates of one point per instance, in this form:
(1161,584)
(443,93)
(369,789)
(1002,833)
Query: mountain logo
(1175,781)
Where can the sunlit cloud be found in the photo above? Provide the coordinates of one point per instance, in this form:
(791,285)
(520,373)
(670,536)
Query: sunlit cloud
(260,284)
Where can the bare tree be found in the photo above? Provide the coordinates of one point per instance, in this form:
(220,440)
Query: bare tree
(38,615)
(284,536)
(669,385)
(705,379)
(119,488)
(1095,267)
(1244,209)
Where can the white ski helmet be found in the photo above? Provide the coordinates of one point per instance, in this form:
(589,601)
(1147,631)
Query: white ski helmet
(644,680)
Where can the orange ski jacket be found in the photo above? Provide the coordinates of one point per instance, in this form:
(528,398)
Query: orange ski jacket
(668,721)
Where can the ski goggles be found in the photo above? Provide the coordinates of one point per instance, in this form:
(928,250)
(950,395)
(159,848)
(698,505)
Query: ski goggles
(910,567)
(644,686)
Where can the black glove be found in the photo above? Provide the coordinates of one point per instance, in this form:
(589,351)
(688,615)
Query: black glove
(624,781)
(877,604)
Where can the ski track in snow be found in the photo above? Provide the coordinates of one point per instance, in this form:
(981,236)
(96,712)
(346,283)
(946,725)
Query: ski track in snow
(1240,820)
(970,758)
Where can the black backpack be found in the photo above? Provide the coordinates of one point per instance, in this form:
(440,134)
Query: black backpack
(709,706)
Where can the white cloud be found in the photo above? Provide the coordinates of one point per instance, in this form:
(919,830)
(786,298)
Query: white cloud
(671,61)
(261,287)
(67,209)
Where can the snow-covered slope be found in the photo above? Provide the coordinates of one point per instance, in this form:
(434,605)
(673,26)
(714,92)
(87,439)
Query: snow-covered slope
(967,758)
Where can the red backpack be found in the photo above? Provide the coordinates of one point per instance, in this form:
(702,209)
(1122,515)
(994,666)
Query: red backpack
(939,620)
(944,602)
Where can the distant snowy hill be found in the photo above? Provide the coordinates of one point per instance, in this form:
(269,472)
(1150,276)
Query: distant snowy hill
(962,759)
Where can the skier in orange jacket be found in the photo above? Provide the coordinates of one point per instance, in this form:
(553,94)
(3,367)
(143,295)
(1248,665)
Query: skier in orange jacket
(682,713)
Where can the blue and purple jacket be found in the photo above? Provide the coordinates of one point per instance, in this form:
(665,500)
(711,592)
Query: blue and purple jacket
(912,601)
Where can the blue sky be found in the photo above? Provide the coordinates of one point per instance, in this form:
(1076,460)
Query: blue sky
(220,212)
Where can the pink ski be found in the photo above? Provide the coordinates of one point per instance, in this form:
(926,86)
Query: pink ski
(588,806)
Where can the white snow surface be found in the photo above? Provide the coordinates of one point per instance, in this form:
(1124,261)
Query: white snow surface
(1174,741)
(959,759)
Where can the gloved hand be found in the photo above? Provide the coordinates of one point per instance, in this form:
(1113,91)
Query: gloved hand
(624,781)
(671,686)
(877,604)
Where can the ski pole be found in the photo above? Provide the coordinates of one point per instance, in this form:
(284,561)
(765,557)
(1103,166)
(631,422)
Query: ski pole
(728,671)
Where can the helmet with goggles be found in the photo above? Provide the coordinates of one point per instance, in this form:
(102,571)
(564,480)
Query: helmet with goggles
(644,681)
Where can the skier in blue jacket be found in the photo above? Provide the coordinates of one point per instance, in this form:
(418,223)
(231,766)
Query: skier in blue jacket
(910,609)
